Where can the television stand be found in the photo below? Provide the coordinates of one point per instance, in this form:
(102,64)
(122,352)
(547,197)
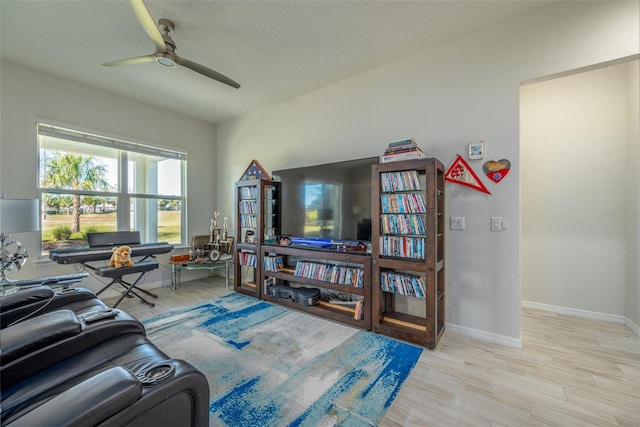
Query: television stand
(336,273)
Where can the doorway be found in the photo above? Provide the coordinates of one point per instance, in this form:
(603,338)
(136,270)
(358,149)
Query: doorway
(579,160)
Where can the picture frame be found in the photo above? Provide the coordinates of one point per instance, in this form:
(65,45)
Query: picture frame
(476,150)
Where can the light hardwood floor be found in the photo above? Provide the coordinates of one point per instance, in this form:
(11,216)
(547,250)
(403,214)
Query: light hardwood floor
(570,372)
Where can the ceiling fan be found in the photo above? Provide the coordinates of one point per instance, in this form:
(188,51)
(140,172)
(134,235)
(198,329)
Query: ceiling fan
(165,53)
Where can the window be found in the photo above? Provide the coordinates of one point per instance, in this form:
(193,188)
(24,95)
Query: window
(90,183)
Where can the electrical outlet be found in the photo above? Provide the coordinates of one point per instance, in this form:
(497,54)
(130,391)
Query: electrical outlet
(456,223)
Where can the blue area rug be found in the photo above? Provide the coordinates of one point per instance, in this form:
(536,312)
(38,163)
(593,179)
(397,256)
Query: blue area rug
(270,366)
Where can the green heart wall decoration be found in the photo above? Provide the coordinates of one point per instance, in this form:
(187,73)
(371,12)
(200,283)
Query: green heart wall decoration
(496,171)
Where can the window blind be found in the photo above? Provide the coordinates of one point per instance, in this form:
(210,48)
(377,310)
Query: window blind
(72,135)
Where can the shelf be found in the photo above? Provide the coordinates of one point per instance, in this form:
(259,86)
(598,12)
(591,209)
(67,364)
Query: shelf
(406,320)
(248,288)
(246,246)
(402,263)
(290,277)
(324,309)
(337,307)
(409,328)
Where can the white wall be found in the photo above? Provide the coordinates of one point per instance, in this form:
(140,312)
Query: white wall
(632,220)
(28,94)
(463,91)
(575,184)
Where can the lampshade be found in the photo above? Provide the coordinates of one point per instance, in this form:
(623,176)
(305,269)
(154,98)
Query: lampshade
(18,215)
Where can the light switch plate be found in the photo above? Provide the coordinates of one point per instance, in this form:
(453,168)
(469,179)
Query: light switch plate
(496,223)
(456,223)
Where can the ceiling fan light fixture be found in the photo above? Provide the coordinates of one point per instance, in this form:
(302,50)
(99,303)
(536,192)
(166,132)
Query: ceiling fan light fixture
(165,52)
(165,60)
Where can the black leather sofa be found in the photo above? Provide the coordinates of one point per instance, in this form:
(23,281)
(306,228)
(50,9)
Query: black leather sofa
(61,365)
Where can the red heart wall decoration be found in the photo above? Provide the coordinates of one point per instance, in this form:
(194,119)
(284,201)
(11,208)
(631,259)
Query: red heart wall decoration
(496,171)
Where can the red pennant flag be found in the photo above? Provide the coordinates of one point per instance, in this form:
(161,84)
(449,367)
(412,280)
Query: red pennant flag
(461,173)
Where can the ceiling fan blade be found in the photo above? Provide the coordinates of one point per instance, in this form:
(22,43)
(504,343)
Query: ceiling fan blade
(148,24)
(131,61)
(208,72)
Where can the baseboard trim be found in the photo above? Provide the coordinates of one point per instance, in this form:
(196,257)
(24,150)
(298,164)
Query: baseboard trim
(634,327)
(585,314)
(517,342)
(485,336)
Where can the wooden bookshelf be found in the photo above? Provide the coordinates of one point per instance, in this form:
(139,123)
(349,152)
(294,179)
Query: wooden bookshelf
(408,250)
(257,222)
(323,260)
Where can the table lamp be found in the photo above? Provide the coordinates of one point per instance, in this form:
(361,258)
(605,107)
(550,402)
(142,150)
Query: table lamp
(16,216)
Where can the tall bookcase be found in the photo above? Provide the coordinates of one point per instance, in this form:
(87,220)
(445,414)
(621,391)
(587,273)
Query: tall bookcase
(408,292)
(257,222)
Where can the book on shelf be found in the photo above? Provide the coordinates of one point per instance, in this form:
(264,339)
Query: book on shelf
(403,224)
(341,275)
(405,155)
(268,282)
(248,259)
(247,206)
(400,181)
(402,149)
(401,144)
(248,221)
(248,193)
(402,284)
(273,263)
(403,247)
(402,203)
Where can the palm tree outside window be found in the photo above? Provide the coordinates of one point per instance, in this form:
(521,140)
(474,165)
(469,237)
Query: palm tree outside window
(92,183)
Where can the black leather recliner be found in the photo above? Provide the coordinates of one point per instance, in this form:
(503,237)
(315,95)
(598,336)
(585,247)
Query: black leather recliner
(62,367)
(36,300)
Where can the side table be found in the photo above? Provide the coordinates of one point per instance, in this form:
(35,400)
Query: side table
(177,267)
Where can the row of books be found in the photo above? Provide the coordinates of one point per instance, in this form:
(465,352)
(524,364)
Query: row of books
(247,206)
(403,284)
(400,181)
(342,275)
(273,263)
(402,203)
(404,149)
(248,221)
(403,224)
(248,192)
(248,259)
(403,247)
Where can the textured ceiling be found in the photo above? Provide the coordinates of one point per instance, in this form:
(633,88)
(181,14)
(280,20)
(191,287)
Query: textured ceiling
(275,49)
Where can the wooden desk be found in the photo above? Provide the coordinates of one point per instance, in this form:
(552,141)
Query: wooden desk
(177,267)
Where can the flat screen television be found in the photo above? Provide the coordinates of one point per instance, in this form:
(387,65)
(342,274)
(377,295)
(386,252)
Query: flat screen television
(331,200)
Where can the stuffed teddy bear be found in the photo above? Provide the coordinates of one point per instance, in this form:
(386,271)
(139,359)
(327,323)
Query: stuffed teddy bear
(121,256)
